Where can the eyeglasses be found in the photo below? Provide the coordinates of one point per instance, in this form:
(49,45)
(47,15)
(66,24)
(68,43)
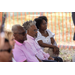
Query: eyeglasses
(23,33)
(9,50)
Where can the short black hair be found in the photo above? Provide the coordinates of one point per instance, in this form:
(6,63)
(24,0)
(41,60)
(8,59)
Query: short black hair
(6,40)
(44,18)
(38,22)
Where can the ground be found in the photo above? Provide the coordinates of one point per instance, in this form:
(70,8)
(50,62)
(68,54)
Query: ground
(67,54)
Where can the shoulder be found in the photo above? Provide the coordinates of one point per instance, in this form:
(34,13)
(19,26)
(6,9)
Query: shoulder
(17,49)
(38,33)
(50,33)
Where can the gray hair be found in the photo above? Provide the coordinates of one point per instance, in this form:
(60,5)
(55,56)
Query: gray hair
(16,28)
(28,24)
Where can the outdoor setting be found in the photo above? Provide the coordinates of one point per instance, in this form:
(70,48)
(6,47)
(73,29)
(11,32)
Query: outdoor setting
(59,23)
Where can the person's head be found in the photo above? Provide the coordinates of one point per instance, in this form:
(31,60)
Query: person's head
(10,37)
(41,24)
(19,33)
(44,18)
(6,52)
(31,28)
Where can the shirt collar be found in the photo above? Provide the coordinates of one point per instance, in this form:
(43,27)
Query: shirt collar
(28,36)
(18,43)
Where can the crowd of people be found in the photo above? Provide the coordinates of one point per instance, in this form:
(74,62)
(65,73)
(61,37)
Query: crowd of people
(30,42)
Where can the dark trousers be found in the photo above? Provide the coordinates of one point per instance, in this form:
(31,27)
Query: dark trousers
(56,59)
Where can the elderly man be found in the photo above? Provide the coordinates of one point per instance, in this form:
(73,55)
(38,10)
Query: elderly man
(21,50)
(33,45)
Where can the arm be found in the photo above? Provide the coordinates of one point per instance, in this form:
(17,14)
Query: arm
(46,55)
(44,44)
(55,48)
(53,41)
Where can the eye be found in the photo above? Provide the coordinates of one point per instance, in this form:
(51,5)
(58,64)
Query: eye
(35,30)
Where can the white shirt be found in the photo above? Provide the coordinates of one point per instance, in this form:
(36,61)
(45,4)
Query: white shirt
(13,60)
(47,39)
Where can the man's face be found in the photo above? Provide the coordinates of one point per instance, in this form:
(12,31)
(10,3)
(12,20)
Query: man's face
(21,36)
(5,55)
(33,31)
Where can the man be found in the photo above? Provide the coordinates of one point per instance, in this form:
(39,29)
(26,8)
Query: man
(33,45)
(6,52)
(21,52)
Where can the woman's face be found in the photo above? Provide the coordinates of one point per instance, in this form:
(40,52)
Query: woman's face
(12,41)
(43,25)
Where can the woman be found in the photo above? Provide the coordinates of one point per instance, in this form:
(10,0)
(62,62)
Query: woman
(45,37)
(10,37)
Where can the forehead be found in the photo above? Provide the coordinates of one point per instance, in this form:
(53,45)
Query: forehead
(21,30)
(44,21)
(33,27)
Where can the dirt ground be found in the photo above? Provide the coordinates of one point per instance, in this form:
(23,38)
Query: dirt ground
(67,54)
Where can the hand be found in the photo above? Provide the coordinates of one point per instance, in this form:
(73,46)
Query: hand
(50,58)
(56,50)
(52,40)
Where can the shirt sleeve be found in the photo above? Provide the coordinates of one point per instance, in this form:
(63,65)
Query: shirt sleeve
(46,55)
(50,33)
(39,37)
(19,56)
(37,52)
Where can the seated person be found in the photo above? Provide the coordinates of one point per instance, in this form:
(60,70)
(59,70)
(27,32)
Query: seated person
(45,37)
(6,52)
(52,38)
(21,51)
(31,28)
(11,38)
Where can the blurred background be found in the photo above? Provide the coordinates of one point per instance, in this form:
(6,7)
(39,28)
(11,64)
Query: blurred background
(59,23)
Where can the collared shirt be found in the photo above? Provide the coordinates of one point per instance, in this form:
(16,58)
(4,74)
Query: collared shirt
(21,53)
(34,46)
